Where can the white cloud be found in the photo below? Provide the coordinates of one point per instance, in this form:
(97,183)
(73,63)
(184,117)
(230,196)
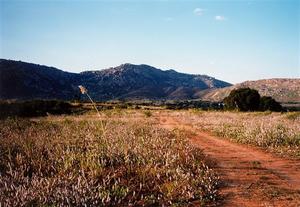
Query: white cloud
(220,18)
(198,11)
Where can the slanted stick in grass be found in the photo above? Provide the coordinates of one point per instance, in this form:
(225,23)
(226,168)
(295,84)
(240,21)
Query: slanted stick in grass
(83,90)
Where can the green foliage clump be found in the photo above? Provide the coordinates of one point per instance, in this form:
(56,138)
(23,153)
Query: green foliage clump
(243,99)
(267,103)
(147,113)
(293,115)
(247,99)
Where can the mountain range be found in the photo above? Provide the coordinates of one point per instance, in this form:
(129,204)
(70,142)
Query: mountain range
(22,81)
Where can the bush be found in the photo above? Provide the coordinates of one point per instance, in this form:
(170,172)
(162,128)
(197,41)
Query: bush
(246,99)
(269,104)
(147,113)
(243,99)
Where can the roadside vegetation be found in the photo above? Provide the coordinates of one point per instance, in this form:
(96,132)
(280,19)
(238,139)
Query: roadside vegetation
(278,132)
(100,162)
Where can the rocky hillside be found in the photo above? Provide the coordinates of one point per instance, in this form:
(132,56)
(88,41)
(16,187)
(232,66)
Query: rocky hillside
(20,80)
(143,81)
(283,90)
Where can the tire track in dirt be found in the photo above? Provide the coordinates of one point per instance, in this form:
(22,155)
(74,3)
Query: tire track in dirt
(250,176)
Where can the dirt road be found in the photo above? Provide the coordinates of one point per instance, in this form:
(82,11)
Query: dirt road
(249,176)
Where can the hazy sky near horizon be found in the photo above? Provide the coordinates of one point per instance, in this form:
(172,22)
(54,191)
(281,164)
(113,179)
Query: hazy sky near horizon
(230,40)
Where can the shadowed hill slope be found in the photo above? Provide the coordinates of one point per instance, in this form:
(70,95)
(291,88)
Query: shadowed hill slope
(20,80)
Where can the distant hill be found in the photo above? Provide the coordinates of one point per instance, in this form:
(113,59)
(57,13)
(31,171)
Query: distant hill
(283,90)
(20,80)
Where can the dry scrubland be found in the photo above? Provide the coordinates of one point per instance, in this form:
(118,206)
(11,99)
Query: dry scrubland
(277,132)
(124,157)
(80,160)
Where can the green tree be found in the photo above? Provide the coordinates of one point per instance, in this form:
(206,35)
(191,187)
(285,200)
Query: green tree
(268,103)
(243,99)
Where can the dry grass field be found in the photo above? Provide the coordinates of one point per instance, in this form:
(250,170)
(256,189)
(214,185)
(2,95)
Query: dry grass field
(121,158)
(277,132)
(151,158)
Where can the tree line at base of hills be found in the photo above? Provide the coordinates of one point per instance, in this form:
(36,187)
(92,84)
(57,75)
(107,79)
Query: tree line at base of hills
(244,99)
(247,99)
(33,108)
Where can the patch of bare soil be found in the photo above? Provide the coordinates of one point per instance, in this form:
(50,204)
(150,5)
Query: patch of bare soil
(249,176)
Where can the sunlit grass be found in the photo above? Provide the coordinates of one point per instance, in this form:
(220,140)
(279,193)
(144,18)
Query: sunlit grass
(274,131)
(68,162)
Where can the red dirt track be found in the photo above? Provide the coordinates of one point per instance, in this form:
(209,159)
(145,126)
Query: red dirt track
(249,176)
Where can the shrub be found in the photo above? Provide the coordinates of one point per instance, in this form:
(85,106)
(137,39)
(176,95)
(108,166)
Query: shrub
(147,113)
(243,99)
(269,104)
(246,99)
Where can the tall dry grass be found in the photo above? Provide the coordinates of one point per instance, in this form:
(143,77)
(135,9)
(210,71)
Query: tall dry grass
(279,132)
(76,163)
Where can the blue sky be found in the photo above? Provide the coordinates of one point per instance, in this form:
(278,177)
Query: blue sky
(230,40)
